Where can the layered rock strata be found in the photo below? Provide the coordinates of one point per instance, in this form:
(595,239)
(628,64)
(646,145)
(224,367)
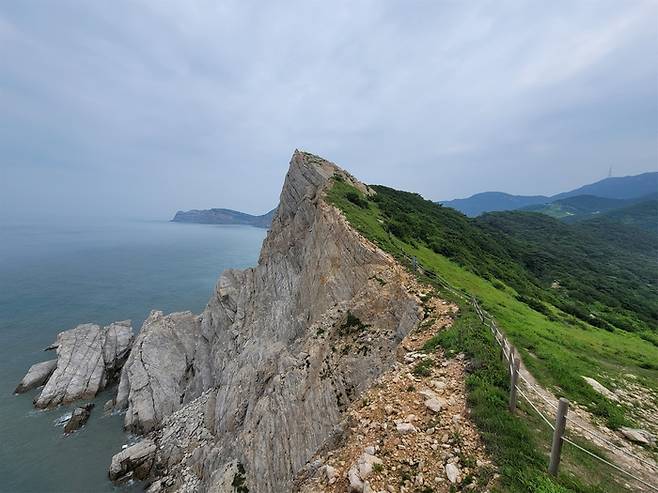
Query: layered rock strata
(88,358)
(36,376)
(259,382)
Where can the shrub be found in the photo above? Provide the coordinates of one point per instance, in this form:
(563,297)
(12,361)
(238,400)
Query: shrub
(356,199)
(423,368)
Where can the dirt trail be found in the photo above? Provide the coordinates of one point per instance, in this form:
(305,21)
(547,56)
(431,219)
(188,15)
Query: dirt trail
(411,431)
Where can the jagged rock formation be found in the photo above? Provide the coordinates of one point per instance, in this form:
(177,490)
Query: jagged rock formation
(79,417)
(138,459)
(260,381)
(88,358)
(36,376)
(163,362)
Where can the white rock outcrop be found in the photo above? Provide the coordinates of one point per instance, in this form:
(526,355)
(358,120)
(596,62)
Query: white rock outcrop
(88,358)
(36,376)
(601,389)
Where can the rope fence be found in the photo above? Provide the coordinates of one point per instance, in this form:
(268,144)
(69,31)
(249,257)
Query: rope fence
(509,354)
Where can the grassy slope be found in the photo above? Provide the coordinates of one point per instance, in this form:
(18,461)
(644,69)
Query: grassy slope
(557,353)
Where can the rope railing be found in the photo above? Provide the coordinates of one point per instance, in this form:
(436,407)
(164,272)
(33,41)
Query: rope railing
(535,408)
(510,354)
(615,466)
(611,444)
(590,453)
(536,391)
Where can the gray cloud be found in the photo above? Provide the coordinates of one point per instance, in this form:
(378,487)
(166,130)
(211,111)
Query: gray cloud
(144,107)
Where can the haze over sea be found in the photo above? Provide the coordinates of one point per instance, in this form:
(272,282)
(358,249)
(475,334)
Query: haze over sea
(54,276)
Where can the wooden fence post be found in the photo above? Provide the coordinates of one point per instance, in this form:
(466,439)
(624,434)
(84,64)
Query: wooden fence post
(558,434)
(516,363)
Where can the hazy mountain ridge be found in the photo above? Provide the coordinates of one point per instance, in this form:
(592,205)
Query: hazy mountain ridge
(583,207)
(620,188)
(224,216)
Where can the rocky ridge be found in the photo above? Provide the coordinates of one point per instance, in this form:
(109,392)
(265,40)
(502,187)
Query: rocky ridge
(244,395)
(285,347)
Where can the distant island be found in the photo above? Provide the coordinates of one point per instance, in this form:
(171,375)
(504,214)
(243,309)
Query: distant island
(224,216)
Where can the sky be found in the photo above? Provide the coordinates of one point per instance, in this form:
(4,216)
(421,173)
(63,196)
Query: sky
(139,108)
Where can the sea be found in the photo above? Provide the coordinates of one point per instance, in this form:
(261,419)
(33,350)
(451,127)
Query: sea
(57,274)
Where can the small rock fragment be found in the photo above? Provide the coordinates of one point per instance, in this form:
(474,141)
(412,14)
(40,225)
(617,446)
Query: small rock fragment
(405,428)
(452,472)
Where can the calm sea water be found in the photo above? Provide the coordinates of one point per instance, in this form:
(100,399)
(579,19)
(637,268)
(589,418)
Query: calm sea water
(55,276)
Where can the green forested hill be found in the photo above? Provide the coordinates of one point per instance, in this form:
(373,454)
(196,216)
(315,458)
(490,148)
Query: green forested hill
(578,208)
(643,215)
(607,276)
(641,212)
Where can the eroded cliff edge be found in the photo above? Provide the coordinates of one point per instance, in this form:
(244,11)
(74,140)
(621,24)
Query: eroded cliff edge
(252,388)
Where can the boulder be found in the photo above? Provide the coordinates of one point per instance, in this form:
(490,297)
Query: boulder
(135,461)
(638,436)
(354,480)
(598,387)
(79,417)
(330,473)
(108,407)
(36,376)
(435,404)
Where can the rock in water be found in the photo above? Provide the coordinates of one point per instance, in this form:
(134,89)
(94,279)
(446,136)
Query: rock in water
(88,357)
(278,344)
(136,459)
(79,417)
(36,376)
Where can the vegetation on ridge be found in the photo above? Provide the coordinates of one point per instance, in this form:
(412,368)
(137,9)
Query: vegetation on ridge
(518,272)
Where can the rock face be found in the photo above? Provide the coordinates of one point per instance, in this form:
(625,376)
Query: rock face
(136,459)
(279,345)
(161,370)
(88,357)
(36,376)
(79,417)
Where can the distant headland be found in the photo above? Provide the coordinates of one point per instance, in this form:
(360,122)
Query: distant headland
(224,216)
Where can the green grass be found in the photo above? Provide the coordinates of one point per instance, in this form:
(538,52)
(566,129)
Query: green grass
(557,348)
(518,443)
(423,368)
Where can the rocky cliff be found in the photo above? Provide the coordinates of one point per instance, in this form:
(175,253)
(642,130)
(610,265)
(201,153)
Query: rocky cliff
(242,396)
(252,388)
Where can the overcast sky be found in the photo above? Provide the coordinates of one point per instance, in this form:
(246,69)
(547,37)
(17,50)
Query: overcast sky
(144,107)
